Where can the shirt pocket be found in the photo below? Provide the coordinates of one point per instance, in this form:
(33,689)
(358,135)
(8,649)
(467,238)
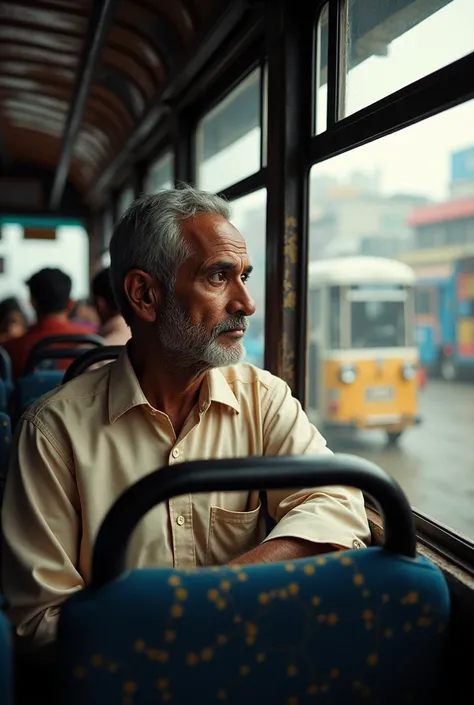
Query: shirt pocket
(232,533)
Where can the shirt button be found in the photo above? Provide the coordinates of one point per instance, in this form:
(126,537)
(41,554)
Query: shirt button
(204,406)
(357,544)
(180,520)
(175,452)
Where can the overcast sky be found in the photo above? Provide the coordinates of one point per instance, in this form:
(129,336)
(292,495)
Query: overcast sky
(414,160)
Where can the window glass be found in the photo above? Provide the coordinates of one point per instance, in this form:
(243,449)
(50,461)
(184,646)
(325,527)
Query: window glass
(228,139)
(126,199)
(69,252)
(249,217)
(391,44)
(160,176)
(321,73)
(415,190)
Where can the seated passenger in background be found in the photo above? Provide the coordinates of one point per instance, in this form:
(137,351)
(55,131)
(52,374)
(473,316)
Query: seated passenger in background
(178,392)
(114,330)
(50,291)
(85,315)
(12,319)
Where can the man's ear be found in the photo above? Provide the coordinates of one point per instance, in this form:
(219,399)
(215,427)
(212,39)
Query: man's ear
(143,294)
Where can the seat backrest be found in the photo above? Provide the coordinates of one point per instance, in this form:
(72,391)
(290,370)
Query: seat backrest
(4,395)
(347,626)
(361,624)
(34,385)
(41,351)
(6,659)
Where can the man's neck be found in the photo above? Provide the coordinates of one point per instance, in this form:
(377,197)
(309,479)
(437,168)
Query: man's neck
(63,317)
(168,388)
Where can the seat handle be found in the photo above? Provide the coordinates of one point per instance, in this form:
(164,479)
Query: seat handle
(246,474)
(91,357)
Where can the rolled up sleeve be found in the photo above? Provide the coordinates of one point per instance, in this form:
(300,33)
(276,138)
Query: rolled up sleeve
(41,533)
(325,515)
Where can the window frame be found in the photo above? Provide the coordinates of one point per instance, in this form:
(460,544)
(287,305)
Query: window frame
(431,95)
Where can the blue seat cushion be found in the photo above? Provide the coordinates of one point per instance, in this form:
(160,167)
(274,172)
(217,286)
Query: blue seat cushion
(33,386)
(348,626)
(6,659)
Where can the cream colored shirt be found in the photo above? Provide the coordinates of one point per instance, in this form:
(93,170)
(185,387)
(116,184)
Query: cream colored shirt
(81,446)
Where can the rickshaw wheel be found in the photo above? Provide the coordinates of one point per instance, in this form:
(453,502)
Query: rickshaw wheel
(393,437)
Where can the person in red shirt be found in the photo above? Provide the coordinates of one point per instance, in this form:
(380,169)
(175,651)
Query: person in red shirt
(50,291)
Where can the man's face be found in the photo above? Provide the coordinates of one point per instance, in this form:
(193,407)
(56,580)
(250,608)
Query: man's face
(204,318)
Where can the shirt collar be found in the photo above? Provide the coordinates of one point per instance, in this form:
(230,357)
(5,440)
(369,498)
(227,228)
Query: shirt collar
(125,391)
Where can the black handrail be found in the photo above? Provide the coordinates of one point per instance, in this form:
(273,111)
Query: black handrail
(245,474)
(42,349)
(5,365)
(79,338)
(91,357)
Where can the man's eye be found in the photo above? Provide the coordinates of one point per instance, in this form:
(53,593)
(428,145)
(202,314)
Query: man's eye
(245,277)
(217,277)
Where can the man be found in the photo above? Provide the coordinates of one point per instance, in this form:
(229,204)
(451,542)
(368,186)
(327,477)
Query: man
(177,393)
(114,329)
(50,292)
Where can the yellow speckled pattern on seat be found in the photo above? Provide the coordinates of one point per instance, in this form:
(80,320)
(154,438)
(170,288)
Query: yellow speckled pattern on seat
(349,626)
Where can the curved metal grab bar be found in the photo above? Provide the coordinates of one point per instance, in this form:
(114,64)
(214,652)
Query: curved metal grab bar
(241,474)
(91,357)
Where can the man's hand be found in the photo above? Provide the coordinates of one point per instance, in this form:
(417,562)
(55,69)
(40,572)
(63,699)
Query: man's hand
(277,550)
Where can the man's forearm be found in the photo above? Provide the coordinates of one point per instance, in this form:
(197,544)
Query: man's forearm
(277,550)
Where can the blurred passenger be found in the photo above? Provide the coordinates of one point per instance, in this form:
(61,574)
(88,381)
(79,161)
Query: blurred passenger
(12,319)
(85,314)
(114,329)
(50,291)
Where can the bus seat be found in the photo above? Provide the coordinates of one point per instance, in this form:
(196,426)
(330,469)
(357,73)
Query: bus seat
(6,659)
(6,384)
(48,351)
(5,392)
(34,385)
(347,626)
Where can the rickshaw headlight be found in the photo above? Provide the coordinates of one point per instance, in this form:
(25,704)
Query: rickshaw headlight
(408,370)
(348,374)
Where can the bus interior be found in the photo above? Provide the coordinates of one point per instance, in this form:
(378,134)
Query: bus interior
(337,130)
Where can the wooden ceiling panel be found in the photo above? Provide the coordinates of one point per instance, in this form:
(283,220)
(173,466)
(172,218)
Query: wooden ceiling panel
(51,20)
(59,108)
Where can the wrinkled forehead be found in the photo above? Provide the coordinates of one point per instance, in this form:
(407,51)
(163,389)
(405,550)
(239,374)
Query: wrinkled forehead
(210,235)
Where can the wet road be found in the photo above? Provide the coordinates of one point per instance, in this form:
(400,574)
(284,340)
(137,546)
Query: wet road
(434,462)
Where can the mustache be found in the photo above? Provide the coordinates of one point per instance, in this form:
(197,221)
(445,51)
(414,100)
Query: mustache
(231,324)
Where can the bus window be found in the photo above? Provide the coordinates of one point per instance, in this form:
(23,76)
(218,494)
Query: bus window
(315,309)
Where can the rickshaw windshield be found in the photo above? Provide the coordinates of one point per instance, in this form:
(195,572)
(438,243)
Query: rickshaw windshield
(377,323)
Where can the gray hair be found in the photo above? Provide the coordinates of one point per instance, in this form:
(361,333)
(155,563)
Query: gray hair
(148,236)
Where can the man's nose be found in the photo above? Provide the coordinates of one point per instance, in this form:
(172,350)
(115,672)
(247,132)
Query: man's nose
(242,303)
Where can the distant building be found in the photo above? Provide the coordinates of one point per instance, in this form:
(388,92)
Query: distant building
(356,219)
